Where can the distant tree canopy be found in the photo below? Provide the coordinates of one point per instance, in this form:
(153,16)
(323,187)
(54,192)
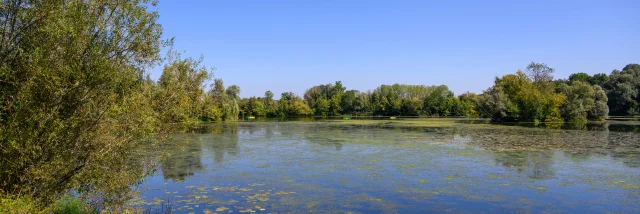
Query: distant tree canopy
(584,102)
(180,95)
(579,98)
(520,97)
(180,90)
(325,100)
(292,105)
(525,96)
(622,89)
(387,100)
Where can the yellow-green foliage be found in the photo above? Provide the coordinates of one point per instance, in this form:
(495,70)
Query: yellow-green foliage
(65,205)
(71,205)
(180,92)
(292,105)
(224,101)
(12,204)
(580,101)
(529,101)
(73,97)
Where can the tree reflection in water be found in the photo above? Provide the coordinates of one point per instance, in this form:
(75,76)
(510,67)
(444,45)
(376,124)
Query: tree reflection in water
(530,151)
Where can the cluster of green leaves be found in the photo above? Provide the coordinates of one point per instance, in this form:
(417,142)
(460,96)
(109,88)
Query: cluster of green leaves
(72,97)
(289,105)
(180,94)
(583,101)
(418,100)
(75,98)
(526,96)
(259,106)
(534,97)
(325,100)
(386,100)
(515,97)
(64,205)
(18,204)
(622,89)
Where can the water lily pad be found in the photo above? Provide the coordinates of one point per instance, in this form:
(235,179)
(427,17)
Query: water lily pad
(222,209)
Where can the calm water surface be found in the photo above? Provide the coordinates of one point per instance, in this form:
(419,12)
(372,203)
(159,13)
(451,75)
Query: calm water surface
(303,167)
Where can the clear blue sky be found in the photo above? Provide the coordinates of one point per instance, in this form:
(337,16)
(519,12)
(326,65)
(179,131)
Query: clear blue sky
(293,45)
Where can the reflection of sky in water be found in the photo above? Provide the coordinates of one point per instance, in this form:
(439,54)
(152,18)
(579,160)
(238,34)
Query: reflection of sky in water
(321,167)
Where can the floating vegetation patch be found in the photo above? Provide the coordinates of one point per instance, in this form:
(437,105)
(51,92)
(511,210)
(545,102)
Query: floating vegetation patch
(217,199)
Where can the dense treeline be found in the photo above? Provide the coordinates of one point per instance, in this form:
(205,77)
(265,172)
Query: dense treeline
(535,97)
(526,96)
(622,88)
(387,100)
(180,94)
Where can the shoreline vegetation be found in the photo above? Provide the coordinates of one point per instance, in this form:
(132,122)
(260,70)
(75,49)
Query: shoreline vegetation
(76,98)
(518,97)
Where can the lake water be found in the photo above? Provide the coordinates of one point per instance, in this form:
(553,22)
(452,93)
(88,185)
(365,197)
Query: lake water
(396,167)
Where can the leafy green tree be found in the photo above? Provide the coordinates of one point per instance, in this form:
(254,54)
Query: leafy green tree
(269,104)
(291,105)
(600,110)
(233,92)
(253,107)
(362,105)
(349,101)
(586,100)
(596,79)
(438,102)
(387,101)
(495,104)
(335,98)
(73,98)
(465,105)
(316,98)
(268,98)
(583,77)
(540,73)
(181,90)
(322,106)
(227,101)
(580,100)
(527,100)
(599,79)
(623,91)
(411,107)
(210,109)
(325,100)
